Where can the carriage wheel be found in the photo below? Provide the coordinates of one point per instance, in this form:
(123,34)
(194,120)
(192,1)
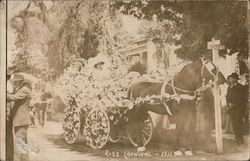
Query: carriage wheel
(72,128)
(116,132)
(147,131)
(97,128)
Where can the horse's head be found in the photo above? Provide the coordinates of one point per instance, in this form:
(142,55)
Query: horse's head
(197,74)
(211,73)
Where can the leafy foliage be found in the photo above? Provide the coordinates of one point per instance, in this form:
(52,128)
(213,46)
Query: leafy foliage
(32,36)
(77,30)
(85,32)
(197,23)
(227,23)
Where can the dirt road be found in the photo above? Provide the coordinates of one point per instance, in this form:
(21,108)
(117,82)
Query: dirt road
(50,146)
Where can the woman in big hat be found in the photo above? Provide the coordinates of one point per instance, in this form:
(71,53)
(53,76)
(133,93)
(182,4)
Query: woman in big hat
(100,65)
(20,114)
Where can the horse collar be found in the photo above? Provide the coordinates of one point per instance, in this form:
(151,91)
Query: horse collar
(203,87)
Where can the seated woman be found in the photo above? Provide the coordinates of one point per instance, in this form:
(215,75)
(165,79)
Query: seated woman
(101,71)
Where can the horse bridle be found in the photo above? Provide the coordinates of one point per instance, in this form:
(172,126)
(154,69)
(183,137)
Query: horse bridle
(196,93)
(166,96)
(203,86)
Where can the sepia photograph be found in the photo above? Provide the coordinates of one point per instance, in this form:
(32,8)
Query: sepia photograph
(118,80)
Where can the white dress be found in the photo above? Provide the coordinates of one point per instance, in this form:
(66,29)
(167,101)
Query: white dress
(103,74)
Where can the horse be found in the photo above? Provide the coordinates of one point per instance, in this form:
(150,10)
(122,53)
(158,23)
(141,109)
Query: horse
(179,97)
(40,107)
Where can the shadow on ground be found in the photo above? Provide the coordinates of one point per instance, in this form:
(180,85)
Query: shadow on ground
(157,145)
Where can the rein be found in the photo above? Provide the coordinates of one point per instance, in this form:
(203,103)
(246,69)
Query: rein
(196,92)
(200,89)
(203,86)
(164,97)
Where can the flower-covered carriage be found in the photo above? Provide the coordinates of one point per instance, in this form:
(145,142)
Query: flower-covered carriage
(98,108)
(100,126)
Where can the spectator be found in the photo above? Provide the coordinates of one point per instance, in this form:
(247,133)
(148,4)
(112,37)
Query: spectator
(20,114)
(9,126)
(242,65)
(228,122)
(236,101)
(40,101)
(246,112)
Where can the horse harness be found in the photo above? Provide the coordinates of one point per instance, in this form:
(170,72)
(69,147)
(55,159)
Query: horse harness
(194,94)
(164,97)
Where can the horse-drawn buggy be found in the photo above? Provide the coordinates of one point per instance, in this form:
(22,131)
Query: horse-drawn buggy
(100,125)
(112,115)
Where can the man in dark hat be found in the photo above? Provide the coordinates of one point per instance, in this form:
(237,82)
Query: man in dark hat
(236,101)
(20,114)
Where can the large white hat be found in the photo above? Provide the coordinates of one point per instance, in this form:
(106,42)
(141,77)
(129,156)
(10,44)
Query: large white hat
(92,62)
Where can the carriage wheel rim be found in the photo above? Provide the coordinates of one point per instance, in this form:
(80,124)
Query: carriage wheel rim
(72,141)
(150,122)
(115,140)
(96,112)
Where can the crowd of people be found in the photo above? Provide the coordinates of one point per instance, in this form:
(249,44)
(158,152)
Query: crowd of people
(21,112)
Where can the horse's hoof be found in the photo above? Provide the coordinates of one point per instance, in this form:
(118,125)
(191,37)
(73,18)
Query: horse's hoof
(141,149)
(189,153)
(178,153)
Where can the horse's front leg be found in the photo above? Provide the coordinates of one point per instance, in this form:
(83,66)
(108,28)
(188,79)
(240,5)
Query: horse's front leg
(141,114)
(190,128)
(184,130)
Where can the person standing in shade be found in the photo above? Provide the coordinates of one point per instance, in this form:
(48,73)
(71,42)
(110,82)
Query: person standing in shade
(20,115)
(228,121)
(246,112)
(40,102)
(243,69)
(9,126)
(236,101)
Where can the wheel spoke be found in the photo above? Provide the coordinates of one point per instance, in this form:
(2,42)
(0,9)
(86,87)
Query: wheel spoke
(148,134)
(144,139)
(147,130)
(147,127)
